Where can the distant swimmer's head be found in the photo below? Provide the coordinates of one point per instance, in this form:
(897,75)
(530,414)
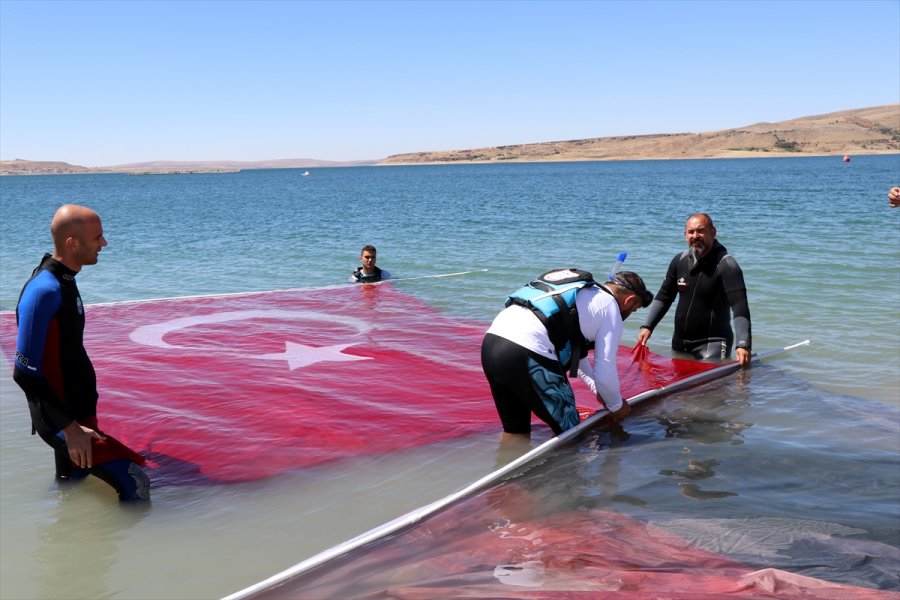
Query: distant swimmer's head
(367,257)
(630,292)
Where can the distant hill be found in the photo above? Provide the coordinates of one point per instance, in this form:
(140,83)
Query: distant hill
(38,167)
(873,130)
(29,167)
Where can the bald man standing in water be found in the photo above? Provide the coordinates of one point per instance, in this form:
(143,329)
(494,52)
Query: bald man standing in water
(52,366)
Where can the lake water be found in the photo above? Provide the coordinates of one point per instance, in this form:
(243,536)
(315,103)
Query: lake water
(814,434)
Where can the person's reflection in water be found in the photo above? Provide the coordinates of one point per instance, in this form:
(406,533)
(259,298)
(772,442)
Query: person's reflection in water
(711,416)
(585,474)
(602,472)
(82,543)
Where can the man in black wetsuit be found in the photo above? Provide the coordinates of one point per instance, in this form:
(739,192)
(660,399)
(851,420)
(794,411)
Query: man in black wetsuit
(710,286)
(53,368)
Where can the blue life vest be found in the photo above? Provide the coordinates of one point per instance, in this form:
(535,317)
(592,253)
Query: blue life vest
(552,298)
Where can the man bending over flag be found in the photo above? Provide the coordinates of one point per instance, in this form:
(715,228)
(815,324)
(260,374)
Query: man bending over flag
(546,330)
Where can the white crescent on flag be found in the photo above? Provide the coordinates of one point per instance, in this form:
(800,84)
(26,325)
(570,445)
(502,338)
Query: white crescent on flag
(297,355)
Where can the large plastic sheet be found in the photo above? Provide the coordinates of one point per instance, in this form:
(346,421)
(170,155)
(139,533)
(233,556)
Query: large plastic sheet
(505,543)
(294,378)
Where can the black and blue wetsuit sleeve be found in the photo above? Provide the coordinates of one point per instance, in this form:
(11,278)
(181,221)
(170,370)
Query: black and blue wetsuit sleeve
(736,292)
(38,305)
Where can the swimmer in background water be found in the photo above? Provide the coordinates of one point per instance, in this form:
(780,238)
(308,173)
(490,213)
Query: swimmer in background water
(368,272)
(894,197)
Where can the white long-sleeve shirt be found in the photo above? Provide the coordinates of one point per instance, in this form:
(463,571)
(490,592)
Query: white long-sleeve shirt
(601,323)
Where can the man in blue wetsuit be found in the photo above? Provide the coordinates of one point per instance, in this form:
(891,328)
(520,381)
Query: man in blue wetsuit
(52,366)
(710,286)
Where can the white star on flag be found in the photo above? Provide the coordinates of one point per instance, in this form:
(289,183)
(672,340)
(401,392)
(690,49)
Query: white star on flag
(299,355)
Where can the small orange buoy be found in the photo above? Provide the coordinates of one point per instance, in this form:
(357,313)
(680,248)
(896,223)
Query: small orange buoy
(846,158)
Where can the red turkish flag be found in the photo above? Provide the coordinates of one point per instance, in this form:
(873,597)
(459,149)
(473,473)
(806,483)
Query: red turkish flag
(244,386)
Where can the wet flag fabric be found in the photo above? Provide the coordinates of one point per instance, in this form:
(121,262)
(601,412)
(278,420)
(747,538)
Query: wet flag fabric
(295,378)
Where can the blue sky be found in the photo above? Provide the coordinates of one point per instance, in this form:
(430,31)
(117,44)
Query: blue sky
(106,83)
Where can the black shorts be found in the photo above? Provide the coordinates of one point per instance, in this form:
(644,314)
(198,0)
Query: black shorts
(524,382)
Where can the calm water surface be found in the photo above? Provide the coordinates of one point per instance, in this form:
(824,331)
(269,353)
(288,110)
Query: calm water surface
(800,438)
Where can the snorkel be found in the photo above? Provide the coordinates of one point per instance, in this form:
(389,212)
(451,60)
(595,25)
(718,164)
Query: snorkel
(623,280)
(617,266)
